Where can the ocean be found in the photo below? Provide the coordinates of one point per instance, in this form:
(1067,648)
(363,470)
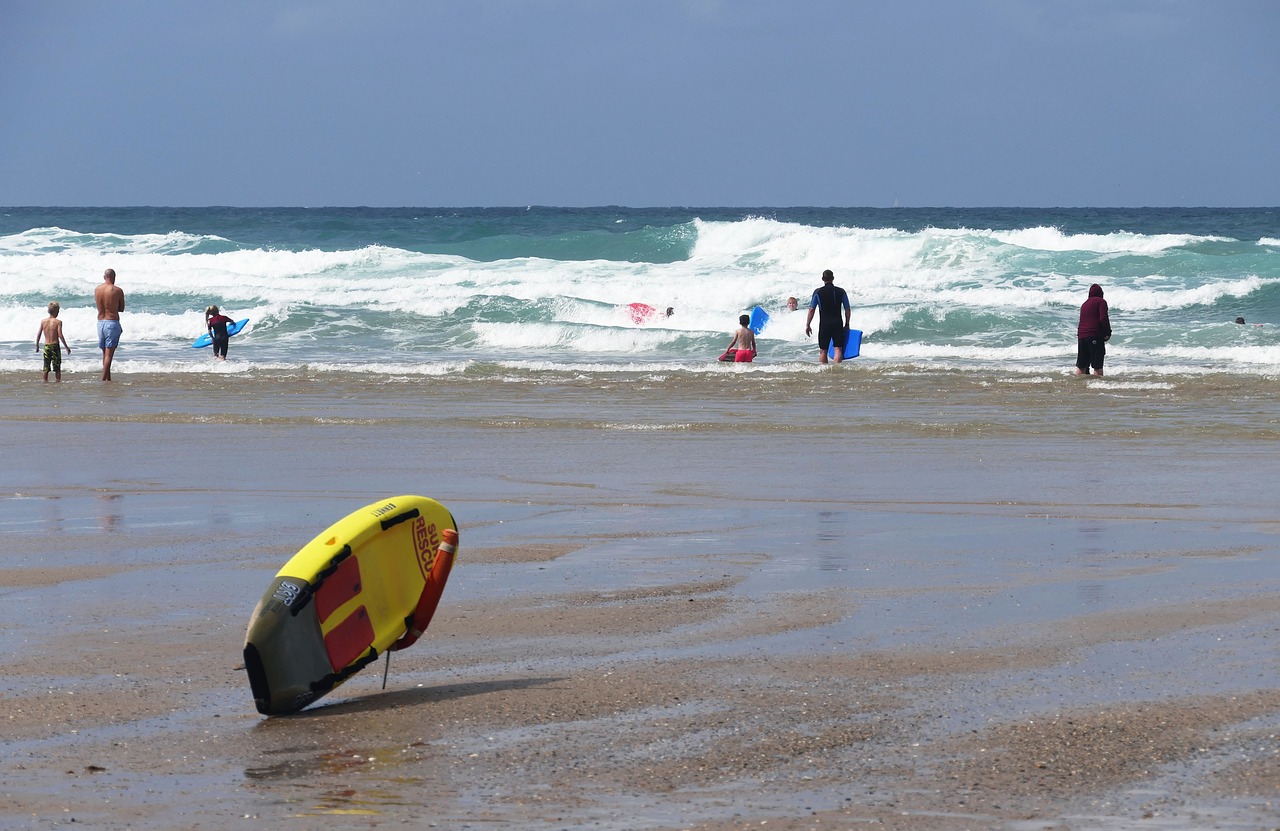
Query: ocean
(489,293)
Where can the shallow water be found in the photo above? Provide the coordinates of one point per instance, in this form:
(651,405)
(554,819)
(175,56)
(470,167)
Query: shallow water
(819,475)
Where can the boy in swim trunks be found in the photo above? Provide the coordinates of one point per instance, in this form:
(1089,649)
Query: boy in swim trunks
(742,349)
(51,331)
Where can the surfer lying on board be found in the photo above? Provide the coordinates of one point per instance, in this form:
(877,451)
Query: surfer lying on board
(742,349)
(217,324)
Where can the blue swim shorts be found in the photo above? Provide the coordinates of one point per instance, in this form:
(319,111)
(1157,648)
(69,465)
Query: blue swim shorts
(109,334)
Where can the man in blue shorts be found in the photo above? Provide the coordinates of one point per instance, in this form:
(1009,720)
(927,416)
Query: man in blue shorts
(110,302)
(828,299)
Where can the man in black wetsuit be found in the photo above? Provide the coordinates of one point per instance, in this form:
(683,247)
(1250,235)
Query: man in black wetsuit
(828,300)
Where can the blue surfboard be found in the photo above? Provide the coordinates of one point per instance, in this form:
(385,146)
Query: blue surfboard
(852,344)
(207,340)
(759,317)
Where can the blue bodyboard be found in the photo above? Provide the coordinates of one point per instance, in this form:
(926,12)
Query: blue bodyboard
(852,344)
(759,317)
(207,340)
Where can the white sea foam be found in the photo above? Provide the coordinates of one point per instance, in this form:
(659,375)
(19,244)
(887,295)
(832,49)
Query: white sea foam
(43,241)
(1112,384)
(936,297)
(1118,242)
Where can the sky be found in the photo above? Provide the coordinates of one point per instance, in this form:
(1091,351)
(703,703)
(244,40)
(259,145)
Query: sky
(918,103)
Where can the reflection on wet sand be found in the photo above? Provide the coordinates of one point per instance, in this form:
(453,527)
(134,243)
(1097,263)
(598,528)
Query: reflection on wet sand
(112,508)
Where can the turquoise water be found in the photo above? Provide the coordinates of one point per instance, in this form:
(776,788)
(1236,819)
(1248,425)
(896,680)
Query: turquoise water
(431,291)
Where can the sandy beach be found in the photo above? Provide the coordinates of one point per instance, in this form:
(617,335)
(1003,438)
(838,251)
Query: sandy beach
(838,600)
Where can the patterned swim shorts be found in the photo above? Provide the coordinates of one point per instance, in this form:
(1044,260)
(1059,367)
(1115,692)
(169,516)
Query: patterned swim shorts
(52,357)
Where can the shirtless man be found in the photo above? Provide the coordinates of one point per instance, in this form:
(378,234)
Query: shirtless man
(51,331)
(110,302)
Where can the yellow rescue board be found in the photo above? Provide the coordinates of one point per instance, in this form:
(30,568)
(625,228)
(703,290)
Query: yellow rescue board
(346,597)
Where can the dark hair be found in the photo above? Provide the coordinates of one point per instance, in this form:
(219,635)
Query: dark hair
(827,275)
(744,319)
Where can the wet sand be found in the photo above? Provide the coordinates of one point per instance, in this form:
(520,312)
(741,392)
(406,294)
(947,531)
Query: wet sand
(671,609)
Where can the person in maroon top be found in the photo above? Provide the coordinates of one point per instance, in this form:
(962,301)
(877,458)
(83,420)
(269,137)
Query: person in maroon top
(1093,333)
(217,324)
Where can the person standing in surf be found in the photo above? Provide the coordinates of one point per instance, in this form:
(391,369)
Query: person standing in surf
(109,298)
(51,331)
(828,300)
(1092,333)
(217,324)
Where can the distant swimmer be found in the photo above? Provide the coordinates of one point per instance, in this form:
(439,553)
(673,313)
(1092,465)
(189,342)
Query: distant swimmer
(1093,333)
(109,299)
(1240,320)
(51,331)
(671,310)
(742,349)
(828,300)
(793,305)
